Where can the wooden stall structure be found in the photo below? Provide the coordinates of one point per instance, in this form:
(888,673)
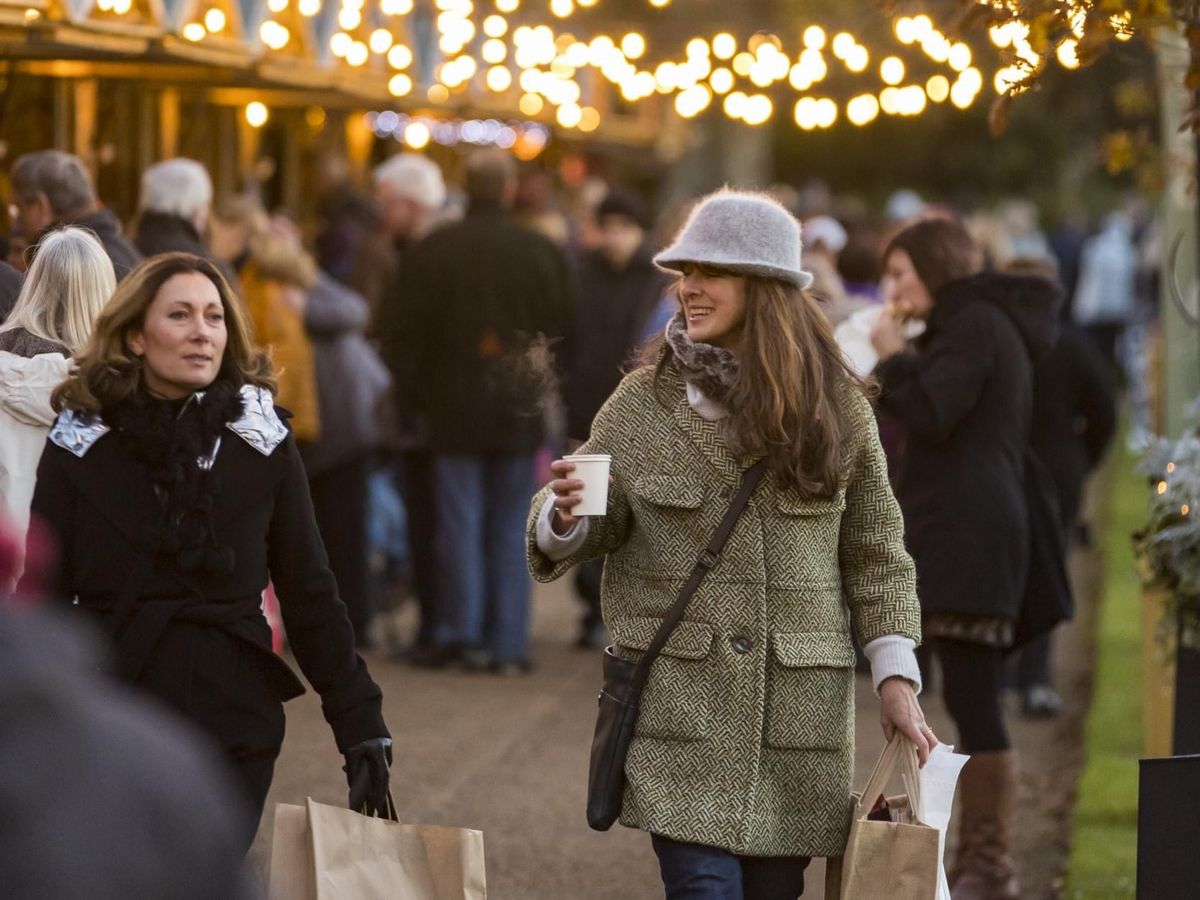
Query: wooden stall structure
(260,91)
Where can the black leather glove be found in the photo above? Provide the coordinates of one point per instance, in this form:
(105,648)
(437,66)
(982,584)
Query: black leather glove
(368,777)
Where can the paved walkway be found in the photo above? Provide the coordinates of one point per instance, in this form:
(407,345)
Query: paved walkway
(509,756)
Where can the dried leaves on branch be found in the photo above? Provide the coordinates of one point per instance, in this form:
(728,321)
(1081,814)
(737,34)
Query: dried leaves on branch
(1031,34)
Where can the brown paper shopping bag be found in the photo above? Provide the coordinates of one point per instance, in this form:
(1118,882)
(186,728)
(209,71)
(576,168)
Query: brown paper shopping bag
(376,859)
(291,876)
(893,859)
(350,855)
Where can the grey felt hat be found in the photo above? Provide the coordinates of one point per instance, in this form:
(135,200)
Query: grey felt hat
(742,232)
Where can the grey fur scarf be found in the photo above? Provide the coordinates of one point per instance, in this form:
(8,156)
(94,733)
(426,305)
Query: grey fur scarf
(713,370)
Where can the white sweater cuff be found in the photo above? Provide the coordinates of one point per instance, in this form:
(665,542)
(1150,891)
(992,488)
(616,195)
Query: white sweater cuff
(558,547)
(893,655)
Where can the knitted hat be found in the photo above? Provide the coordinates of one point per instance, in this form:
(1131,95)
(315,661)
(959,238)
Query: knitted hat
(742,232)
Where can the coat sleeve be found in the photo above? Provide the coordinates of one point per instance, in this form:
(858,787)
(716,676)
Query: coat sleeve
(605,533)
(318,628)
(333,309)
(878,575)
(52,517)
(931,393)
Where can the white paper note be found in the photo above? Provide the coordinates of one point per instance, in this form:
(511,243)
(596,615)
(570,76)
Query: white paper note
(938,780)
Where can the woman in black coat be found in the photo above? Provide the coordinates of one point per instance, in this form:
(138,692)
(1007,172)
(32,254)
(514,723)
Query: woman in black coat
(175,492)
(964,398)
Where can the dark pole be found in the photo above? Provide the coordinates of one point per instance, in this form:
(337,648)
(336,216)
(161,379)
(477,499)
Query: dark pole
(1186,738)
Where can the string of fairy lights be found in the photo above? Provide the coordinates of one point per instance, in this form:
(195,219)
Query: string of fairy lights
(536,57)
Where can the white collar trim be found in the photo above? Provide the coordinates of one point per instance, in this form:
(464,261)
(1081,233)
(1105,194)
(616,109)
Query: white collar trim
(259,425)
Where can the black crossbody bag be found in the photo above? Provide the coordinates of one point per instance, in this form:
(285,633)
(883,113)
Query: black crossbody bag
(624,680)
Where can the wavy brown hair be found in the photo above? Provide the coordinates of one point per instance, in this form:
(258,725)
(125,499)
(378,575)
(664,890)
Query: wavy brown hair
(109,373)
(787,401)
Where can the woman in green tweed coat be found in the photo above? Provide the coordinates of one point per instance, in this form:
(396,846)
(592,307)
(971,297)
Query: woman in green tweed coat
(741,763)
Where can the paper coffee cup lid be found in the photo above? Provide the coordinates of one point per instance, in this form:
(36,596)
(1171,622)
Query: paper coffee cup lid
(591,457)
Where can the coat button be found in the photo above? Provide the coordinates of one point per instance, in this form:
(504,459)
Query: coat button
(741,643)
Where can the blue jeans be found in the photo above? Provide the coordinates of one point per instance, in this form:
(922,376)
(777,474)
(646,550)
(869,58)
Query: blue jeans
(483,585)
(697,872)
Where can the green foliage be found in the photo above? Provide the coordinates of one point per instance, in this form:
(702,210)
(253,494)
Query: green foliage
(1169,543)
(1103,861)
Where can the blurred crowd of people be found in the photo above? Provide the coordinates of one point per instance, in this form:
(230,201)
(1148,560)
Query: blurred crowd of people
(437,344)
(436,339)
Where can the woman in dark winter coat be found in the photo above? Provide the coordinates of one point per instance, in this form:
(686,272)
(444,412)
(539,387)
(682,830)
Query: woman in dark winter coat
(964,398)
(175,492)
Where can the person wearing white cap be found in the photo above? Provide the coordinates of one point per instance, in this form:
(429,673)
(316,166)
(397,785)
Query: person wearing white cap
(741,762)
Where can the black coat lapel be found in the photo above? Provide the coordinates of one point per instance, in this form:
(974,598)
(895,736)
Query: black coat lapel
(243,476)
(120,488)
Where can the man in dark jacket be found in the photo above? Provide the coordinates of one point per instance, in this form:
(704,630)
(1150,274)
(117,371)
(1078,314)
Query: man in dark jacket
(619,291)
(409,192)
(173,209)
(52,188)
(489,299)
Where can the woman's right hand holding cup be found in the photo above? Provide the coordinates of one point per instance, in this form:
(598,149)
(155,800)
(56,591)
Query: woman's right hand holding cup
(566,495)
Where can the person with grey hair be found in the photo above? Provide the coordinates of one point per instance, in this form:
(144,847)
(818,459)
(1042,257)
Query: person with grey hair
(409,193)
(173,208)
(491,301)
(173,212)
(53,188)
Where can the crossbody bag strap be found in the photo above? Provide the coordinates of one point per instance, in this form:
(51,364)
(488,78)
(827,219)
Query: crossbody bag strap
(708,559)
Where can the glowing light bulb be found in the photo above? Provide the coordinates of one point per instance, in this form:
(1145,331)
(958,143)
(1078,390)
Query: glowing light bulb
(891,70)
(1068,54)
(399,57)
(724,45)
(499,79)
(721,81)
(862,110)
(569,115)
(381,40)
(959,57)
(214,20)
(400,85)
(417,135)
(257,114)
(938,88)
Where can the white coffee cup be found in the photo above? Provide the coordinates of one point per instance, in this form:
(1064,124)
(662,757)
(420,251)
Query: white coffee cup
(592,469)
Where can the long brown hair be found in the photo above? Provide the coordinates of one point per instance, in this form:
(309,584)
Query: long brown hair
(787,401)
(109,373)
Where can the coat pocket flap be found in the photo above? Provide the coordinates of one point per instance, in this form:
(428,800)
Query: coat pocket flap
(825,648)
(689,640)
(682,491)
(792,505)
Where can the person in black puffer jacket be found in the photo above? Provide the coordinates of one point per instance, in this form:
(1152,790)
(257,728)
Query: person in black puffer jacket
(964,396)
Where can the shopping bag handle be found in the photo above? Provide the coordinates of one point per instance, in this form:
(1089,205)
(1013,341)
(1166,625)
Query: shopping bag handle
(899,746)
(389,813)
